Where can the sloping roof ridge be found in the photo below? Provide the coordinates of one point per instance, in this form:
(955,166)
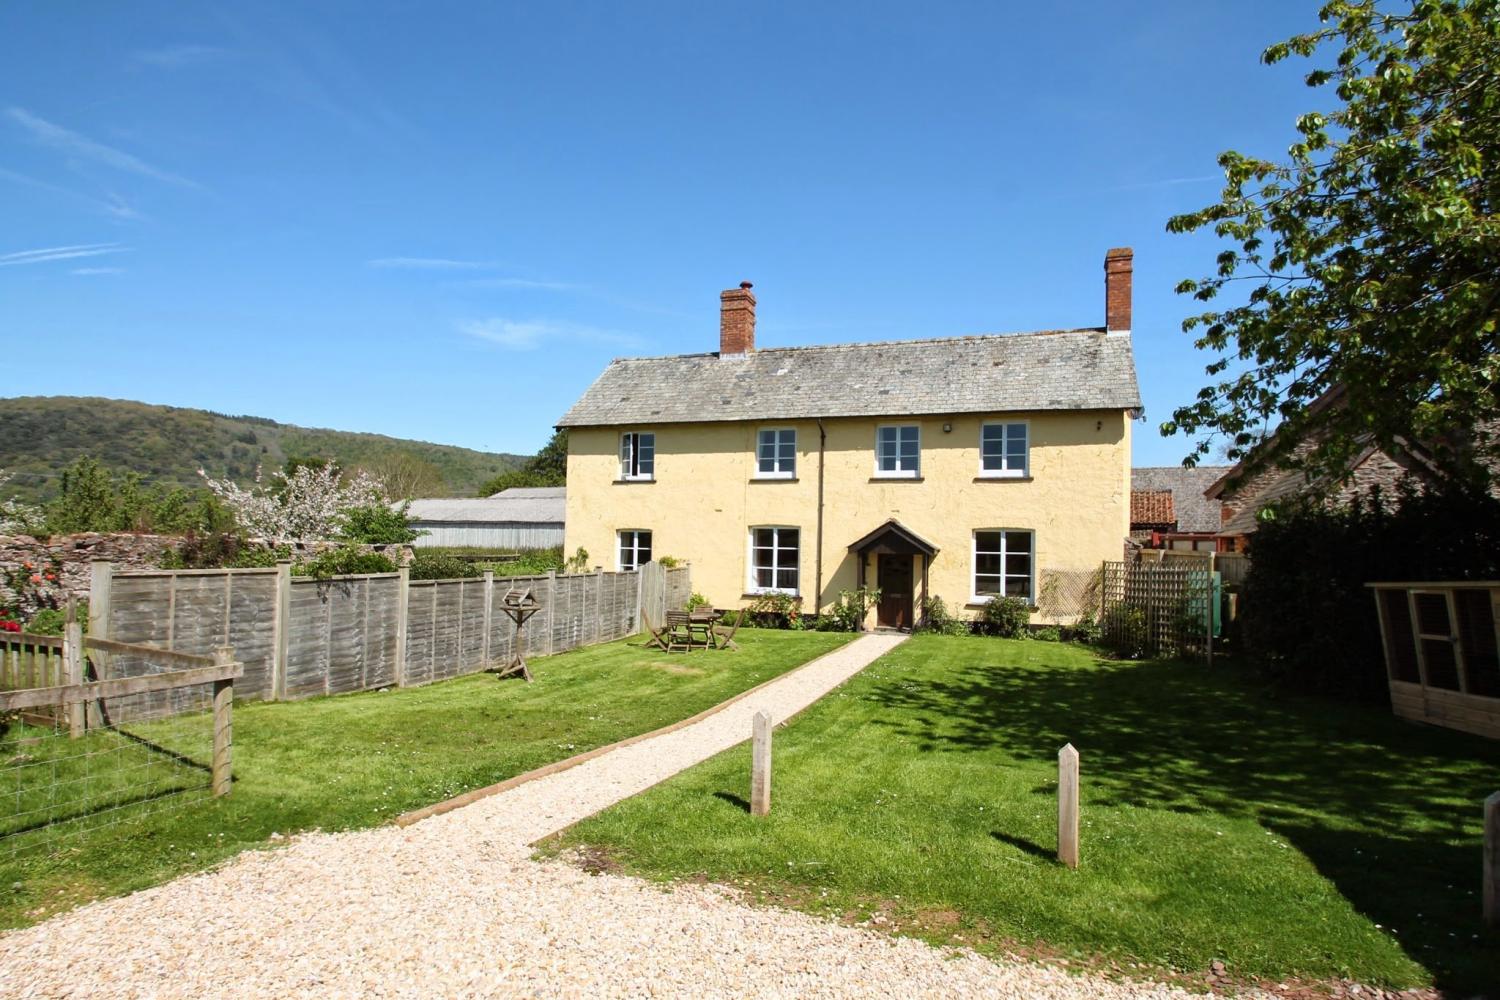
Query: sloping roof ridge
(1097,330)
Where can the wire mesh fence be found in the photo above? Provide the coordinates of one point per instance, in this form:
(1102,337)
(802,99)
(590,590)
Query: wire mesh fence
(54,785)
(108,737)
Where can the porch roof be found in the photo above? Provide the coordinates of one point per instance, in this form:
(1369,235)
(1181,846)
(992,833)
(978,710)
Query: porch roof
(895,538)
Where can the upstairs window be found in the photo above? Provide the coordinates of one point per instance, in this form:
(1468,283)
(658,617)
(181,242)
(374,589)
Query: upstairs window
(776,454)
(898,451)
(1003,449)
(1002,564)
(635,549)
(773,560)
(637,455)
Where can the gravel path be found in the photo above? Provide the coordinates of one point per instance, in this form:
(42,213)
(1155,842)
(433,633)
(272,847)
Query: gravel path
(453,906)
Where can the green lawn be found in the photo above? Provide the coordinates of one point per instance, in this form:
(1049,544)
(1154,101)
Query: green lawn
(358,760)
(1287,837)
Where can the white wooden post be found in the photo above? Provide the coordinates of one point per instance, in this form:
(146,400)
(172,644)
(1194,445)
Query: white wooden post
(1492,860)
(551,606)
(1067,806)
(403,591)
(281,621)
(760,765)
(489,618)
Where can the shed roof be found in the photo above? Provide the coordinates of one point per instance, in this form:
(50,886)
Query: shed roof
(531,505)
(1191,510)
(1151,508)
(1052,370)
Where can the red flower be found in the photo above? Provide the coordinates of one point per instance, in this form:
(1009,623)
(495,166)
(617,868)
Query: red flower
(35,578)
(10,626)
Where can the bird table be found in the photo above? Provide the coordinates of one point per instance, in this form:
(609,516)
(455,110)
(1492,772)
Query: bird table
(519,604)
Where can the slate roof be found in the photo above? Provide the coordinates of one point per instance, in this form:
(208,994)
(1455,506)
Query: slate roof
(1193,511)
(1151,509)
(1055,370)
(522,505)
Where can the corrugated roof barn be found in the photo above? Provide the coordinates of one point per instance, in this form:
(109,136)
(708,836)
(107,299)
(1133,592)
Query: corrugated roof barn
(520,518)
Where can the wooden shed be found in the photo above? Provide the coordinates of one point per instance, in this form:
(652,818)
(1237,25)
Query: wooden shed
(520,518)
(1442,652)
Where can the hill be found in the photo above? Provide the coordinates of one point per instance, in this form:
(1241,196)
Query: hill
(42,435)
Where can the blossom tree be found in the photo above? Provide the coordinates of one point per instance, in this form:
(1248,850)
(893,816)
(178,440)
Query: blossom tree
(310,502)
(17,518)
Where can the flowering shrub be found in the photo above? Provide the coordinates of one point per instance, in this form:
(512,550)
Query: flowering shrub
(28,588)
(311,502)
(17,518)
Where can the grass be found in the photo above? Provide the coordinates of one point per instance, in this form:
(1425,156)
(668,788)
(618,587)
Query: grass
(353,761)
(1287,837)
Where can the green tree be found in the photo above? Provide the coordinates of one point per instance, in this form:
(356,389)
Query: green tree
(378,524)
(548,467)
(1370,257)
(86,500)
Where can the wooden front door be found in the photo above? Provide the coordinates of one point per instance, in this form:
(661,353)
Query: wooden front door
(895,582)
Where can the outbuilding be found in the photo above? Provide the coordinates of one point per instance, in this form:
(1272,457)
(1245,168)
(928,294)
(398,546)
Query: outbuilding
(514,519)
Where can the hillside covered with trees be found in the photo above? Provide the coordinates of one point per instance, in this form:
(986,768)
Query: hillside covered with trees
(41,436)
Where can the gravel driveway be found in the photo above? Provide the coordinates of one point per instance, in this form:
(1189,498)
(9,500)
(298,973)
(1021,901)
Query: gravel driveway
(453,906)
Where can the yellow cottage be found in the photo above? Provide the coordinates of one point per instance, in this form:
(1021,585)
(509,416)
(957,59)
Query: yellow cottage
(958,468)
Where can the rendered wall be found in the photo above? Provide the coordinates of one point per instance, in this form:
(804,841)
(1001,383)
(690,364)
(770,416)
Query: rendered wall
(705,497)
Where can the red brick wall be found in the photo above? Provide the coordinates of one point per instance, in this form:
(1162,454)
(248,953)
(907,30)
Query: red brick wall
(737,320)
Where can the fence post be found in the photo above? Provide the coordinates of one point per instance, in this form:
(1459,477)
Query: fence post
(489,617)
(551,606)
(760,765)
(1067,806)
(101,586)
(223,726)
(403,592)
(1492,860)
(72,652)
(281,628)
(598,603)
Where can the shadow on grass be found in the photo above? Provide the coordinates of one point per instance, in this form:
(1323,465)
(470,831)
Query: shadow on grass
(733,800)
(1022,844)
(1388,811)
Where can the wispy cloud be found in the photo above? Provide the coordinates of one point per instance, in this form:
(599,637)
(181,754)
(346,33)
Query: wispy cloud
(528,335)
(524,284)
(97,270)
(179,56)
(45,254)
(74,144)
(431,264)
(113,206)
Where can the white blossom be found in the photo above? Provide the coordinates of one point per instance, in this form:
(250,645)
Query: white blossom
(311,503)
(17,518)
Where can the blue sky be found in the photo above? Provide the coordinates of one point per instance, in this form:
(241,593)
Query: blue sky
(440,221)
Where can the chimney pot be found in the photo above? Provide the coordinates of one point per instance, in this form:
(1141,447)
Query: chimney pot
(737,321)
(1118,265)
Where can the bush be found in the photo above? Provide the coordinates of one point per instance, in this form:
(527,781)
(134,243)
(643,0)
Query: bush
(848,612)
(668,562)
(1125,631)
(937,618)
(1309,622)
(440,566)
(697,600)
(776,611)
(379,524)
(345,560)
(1086,630)
(1048,633)
(219,550)
(1007,617)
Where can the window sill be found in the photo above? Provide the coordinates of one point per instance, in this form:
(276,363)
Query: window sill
(634,482)
(1003,479)
(773,479)
(751,595)
(978,604)
(896,479)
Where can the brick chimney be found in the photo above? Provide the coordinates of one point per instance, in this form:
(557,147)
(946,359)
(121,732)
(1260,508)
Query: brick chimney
(737,320)
(1118,263)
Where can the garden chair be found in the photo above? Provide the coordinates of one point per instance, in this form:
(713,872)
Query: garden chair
(726,639)
(679,632)
(659,637)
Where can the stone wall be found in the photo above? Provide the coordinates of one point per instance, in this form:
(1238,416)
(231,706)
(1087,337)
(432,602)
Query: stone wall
(71,554)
